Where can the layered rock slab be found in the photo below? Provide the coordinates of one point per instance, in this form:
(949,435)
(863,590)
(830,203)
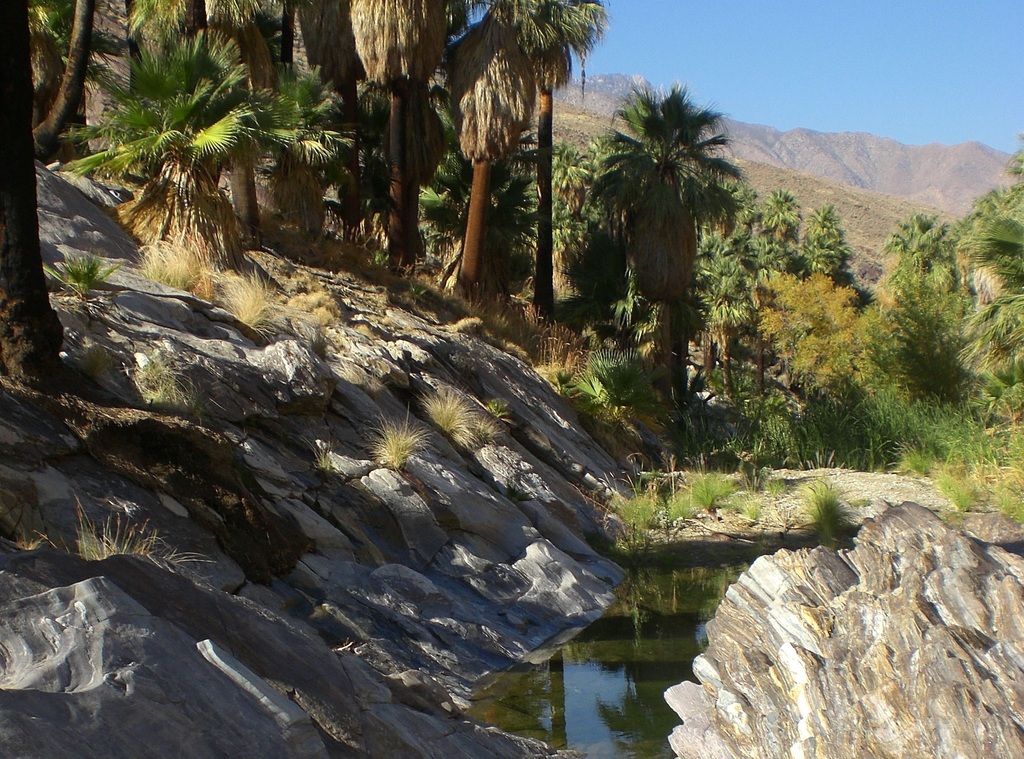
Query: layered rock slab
(911,644)
(125,658)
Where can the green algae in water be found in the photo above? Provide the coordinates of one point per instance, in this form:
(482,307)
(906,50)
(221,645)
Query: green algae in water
(603,693)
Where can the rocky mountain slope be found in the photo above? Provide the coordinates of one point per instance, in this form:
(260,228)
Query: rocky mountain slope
(311,601)
(947,177)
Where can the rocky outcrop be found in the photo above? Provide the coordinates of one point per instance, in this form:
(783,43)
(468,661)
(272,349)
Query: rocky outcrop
(261,484)
(124,658)
(910,644)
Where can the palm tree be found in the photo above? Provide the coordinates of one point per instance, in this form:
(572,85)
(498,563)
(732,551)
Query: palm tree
(493,90)
(924,250)
(184,117)
(400,46)
(331,45)
(997,328)
(661,181)
(307,164)
(726,294)
(72,85)
(824,249)
(30,333)
(508,239)
(780,217)
(551,32)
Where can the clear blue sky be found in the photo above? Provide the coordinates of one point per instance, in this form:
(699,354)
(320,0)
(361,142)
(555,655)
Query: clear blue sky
(947,71)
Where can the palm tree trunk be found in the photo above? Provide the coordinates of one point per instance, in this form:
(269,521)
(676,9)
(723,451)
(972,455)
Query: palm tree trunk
(287,33)
(472,249)
(242,180)
(543,281)
(727,365)
(30,333)
(709,357)
(134,52)
(195,17)
(667,354)
(682,382)
(398,249)
(46,135)
(351,205)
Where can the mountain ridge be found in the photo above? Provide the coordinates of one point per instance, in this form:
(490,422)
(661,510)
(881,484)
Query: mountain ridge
(946,177)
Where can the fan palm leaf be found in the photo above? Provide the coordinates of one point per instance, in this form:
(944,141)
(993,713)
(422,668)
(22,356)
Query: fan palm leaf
(184,116)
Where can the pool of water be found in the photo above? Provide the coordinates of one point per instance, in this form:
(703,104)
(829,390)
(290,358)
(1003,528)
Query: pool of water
(602,693)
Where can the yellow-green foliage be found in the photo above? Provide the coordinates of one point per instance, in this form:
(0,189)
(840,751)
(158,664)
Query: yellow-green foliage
(814,325)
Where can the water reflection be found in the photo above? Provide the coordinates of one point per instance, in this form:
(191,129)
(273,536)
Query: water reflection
(603,693)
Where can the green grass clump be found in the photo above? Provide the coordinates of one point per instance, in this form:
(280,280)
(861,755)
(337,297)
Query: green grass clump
(958,488)
(826,513)
(161,385)
(323,457)
(915,461)
(81,274)
(709,490)
(392,444)
(94,360)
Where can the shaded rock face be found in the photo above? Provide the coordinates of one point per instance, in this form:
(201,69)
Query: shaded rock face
(123,658)
(909,645)
(457,566)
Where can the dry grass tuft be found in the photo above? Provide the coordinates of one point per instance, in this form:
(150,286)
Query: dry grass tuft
(392,444)
(178,266)
(252,300)
(461,420)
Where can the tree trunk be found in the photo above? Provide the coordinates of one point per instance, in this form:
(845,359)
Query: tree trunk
(351,204)
(287,33)
(472,248)
(709,357)
(46,135)
(134,52)
(682,380)
(398,249)
(30,333)
(666,350)
(242,180)
(727,366)
(543,281)
(195,17)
